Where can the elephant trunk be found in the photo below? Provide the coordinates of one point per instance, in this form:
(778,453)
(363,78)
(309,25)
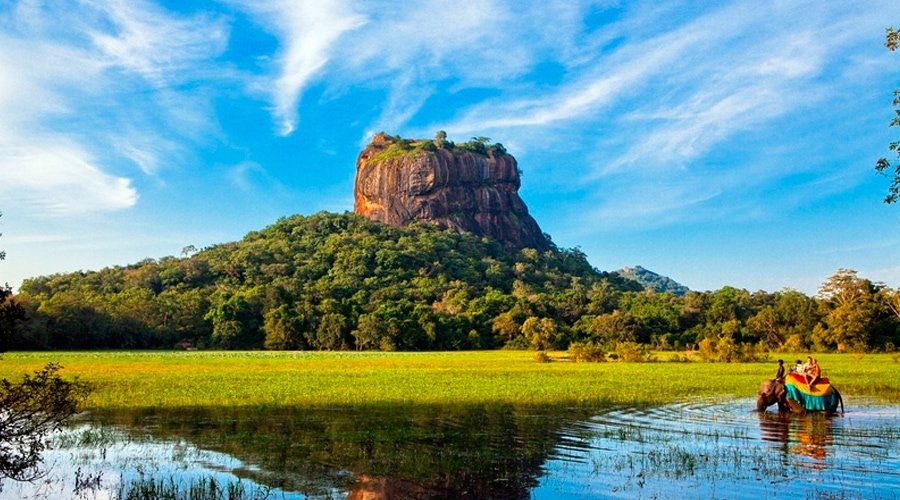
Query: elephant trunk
(761,403)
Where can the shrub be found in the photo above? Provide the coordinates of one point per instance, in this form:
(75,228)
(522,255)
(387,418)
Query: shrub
(706,350)
(632,352)
(587,351)
(519,343)
(542,357)
(727,351)
(751,353)
(680,358)
(794,343)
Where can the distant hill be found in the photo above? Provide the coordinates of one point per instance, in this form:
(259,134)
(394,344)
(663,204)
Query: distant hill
(325,281)
(653,281)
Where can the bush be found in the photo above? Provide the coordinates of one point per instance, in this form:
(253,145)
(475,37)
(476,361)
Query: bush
(632,352)
(519,343)
(751,353)
(30,411)
(679,358)
(542,357)
(706,350)
(587,351)
(794,343)
(726,350)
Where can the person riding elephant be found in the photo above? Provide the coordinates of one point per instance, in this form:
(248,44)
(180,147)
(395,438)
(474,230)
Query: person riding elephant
(779,374)
(775,392)
(813,373)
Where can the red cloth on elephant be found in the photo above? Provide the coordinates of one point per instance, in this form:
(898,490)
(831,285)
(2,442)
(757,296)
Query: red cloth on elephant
(799,379)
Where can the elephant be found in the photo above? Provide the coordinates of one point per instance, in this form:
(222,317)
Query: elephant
(774,391)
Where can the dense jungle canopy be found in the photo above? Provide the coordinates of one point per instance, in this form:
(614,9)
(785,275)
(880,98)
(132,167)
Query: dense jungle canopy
(338,281)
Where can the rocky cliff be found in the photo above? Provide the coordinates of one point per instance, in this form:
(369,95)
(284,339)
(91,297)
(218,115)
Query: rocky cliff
(653,281)
(473,188)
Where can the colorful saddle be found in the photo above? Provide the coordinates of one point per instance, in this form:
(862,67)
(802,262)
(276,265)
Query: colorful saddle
(820,397)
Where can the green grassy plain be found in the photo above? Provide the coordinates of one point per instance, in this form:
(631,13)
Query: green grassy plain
(157,379)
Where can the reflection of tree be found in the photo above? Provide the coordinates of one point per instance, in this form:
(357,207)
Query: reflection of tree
(809,435)
(410,452)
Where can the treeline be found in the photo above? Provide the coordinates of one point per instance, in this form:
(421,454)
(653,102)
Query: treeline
(339,281)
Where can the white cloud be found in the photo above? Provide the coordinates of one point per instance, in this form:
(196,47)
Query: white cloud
(662,95)
(84,87)
(308,30)
(60,179)
(148,41)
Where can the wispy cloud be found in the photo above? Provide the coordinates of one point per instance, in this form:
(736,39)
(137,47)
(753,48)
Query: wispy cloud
(58,178)
(666,91)
(87,89)
(307,30)
(160,47)
(482,44)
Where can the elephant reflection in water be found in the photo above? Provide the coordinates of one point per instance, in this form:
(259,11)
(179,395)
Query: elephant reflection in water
(809,435)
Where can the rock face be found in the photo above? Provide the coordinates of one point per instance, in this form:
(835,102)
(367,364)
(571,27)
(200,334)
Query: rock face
(399,182)
(653,281)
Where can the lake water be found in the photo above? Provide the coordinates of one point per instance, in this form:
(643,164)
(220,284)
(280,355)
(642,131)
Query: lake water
(699,448)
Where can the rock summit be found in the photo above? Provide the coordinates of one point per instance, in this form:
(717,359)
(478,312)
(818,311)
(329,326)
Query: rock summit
(471,187)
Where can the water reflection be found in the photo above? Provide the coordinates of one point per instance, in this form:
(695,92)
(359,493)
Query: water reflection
(697,448)
(412,452)
(808,435)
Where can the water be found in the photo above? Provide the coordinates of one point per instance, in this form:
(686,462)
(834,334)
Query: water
(699,448)
(709,449)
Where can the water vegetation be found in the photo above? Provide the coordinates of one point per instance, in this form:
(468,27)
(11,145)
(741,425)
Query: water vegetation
(290,379)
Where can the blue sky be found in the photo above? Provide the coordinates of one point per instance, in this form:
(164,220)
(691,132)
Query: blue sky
(719,143)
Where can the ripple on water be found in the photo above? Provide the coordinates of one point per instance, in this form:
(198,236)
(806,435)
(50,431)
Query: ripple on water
(708,448)
(700,448)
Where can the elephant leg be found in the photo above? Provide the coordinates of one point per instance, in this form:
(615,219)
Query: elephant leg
(783,406)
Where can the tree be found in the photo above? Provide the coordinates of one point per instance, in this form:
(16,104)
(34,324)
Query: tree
(32,408)
(11,313)
(540,332)
(29,411)
(10,310)
(851,310)
(188,251)
(440,138)
(330,333)
(614,327)
(892,42)
(892,39)
(791,317)
(284,329)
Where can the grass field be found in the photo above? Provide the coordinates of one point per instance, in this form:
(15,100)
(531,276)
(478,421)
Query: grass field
(223,378)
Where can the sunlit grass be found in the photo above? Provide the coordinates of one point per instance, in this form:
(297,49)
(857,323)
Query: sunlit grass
(226,378)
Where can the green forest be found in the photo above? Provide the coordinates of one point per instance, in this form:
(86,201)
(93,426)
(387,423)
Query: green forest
(340,282)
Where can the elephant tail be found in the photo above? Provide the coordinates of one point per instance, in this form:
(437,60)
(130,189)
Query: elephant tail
(840,400)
